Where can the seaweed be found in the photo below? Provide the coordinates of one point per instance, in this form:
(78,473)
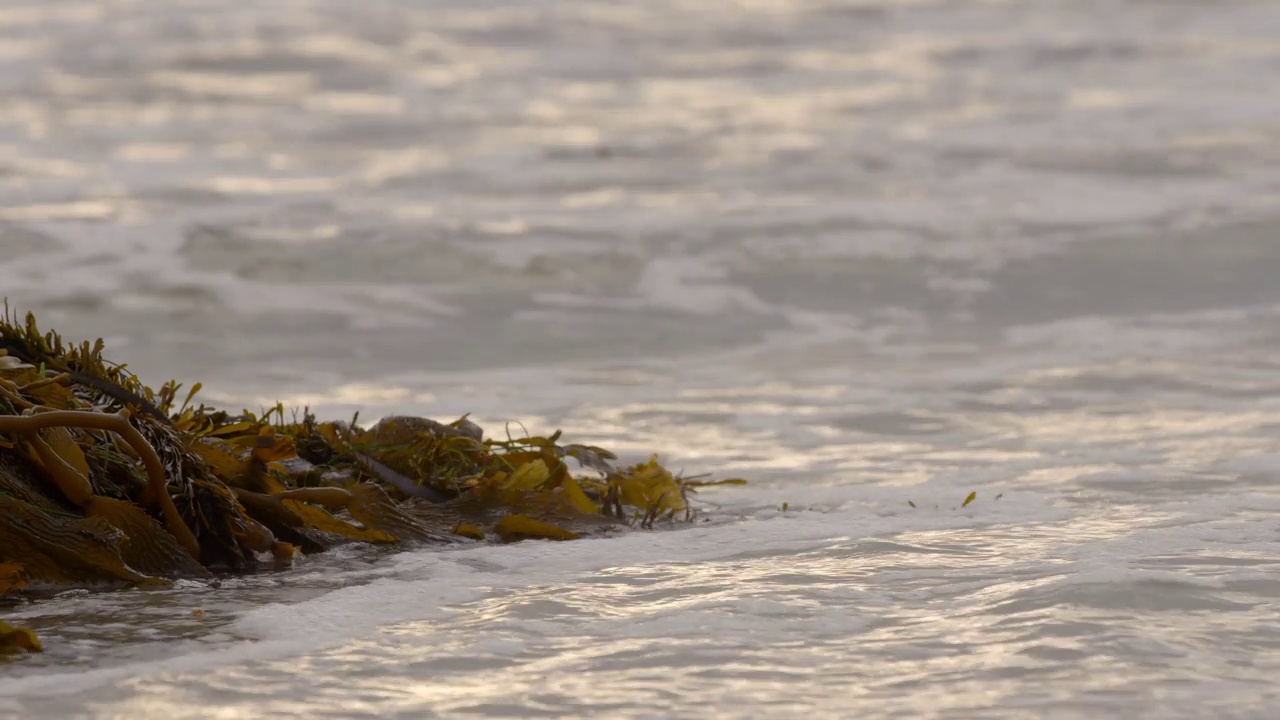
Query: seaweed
(16,639)
(105,482)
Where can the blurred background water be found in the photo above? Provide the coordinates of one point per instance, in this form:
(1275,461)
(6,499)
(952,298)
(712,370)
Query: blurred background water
(863,253)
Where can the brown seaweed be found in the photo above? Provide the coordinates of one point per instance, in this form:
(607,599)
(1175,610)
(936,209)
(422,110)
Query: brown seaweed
(105,482)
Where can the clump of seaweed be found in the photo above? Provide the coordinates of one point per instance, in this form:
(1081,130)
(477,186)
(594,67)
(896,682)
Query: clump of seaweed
(16,639)
(105,482)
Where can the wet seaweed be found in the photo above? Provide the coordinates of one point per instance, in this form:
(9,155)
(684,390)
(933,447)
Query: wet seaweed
(105,482)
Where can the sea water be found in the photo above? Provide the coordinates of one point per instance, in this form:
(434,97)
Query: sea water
(873,256)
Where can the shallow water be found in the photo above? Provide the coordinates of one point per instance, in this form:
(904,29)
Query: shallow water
(872,255)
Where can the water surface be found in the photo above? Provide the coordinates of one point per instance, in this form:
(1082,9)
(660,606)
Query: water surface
(872,255)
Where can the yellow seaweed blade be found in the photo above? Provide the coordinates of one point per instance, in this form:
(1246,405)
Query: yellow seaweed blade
(494,495)
(270,483)
(651,487)
(467,530)
(60,441)
(226,464)
(574,495)
(514,528)
(234,429)
(219,458)
(16,639)
(192,421)
(334,436)
(320,519)
(65,465)
(529,476)
(52,395)
(269,448)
